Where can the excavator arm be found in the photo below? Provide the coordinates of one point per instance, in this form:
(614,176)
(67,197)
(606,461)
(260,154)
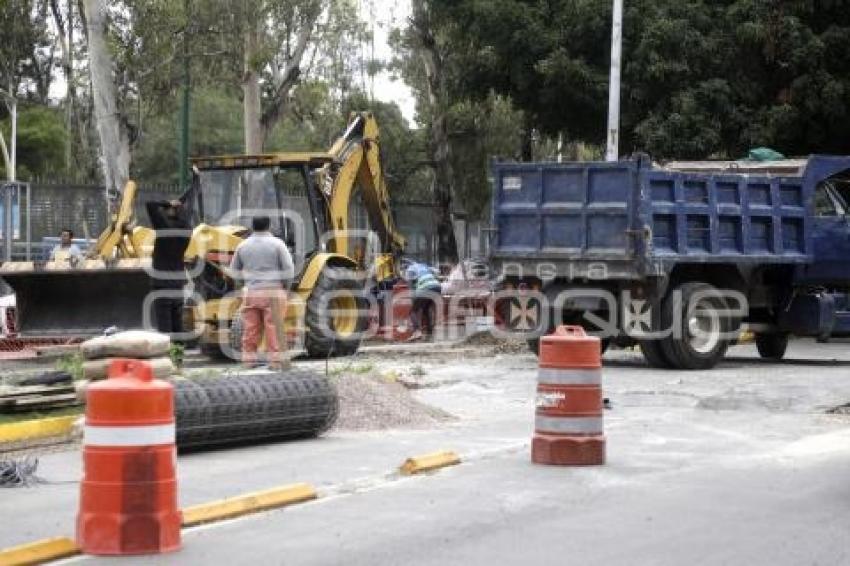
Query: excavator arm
(121,238)
(357,161)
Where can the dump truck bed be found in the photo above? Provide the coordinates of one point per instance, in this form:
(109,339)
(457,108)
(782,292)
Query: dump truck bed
(632,220)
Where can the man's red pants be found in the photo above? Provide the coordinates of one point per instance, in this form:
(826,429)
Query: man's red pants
(259,319)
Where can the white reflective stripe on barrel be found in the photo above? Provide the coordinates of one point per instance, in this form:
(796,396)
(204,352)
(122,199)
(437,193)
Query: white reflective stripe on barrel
(128,435)
(553,376)
(568,425)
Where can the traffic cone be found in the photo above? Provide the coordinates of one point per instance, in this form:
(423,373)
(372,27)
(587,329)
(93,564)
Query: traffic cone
(568,427)
(128,496)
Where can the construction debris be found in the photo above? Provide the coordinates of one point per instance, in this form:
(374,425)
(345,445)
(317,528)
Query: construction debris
(48,378)
(97,369)
(19,472)
(129,344)
(38,398)
(373,402)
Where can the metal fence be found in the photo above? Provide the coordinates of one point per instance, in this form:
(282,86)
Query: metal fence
(56,206)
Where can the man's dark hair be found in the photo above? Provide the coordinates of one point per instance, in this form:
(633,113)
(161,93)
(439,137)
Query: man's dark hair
(261,223)
(70,232)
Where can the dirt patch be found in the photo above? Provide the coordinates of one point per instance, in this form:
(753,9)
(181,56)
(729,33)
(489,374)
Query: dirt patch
(487,339)
(373,402)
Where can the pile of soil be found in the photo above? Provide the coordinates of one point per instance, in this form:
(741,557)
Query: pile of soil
(372,402)
(498,344)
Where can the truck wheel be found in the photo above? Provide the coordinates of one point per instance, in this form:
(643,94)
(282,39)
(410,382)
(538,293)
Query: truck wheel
(654,354)
(697,340)
(772,346)
(336,314)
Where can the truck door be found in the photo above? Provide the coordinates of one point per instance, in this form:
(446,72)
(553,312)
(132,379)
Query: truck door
(830,239)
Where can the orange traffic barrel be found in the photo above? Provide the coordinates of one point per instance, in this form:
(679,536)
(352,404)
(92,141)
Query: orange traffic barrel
(394,313)
(128,496)
(568,426)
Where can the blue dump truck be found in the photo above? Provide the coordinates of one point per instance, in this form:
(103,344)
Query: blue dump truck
(676,258)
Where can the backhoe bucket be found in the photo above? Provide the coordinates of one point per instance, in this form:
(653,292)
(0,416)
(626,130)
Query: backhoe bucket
(80,301)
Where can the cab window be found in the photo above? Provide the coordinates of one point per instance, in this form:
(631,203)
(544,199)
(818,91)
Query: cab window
(825,203)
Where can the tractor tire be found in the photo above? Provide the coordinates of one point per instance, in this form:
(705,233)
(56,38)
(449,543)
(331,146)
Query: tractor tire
(772,346)
(699,340)
(654,354)
(335,334)
(214,352)
(234,337)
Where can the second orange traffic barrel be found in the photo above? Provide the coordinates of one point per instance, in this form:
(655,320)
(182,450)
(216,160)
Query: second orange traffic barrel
(568,426)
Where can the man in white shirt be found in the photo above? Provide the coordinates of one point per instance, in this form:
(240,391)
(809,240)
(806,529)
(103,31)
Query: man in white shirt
(66,250)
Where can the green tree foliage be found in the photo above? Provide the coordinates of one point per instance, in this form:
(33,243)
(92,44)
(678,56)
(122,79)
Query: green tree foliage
(26,52)
(700,78)
(41,143)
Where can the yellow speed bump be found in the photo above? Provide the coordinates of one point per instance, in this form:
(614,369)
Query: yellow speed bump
(38,428)
(39,551)
(248,503)
(428,462)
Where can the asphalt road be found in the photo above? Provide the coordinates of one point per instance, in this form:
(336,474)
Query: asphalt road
(738,465)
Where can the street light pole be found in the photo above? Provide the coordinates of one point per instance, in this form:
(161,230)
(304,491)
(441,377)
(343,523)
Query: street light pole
(612,152)
(8,230)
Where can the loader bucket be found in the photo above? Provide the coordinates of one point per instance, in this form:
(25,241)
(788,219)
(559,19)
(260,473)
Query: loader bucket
(77,302)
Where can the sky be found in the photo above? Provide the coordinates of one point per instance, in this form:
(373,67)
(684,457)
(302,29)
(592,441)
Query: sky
(389,14)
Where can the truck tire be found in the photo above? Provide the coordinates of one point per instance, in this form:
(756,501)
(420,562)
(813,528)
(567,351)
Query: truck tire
(772,346)
(698,342)
(335,333)
(654,354)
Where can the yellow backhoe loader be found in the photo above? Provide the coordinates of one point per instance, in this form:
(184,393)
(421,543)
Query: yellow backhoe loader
(335,262)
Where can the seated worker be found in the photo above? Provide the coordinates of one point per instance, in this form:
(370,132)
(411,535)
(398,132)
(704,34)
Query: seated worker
(172,221)
(426,287)
(66,249)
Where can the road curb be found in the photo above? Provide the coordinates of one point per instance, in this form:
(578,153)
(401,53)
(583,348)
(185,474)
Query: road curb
(37,428)
(248,503)
(428,462)
(39,551)
(62,547)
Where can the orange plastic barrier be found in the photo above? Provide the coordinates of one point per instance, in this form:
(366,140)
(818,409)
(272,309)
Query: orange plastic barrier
(394,316)
(128,496)
(568,428)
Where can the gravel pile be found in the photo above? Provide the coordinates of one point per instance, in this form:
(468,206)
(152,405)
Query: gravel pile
(372,402)
(499,345)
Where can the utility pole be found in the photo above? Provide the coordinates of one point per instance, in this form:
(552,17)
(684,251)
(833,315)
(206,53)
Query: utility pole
(612,152)
(184,107)
(8,230)
(69,96)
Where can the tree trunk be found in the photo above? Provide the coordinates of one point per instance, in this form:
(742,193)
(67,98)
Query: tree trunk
(439,146)
(114,142)
(528,139)
(65,30)
(252,111)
